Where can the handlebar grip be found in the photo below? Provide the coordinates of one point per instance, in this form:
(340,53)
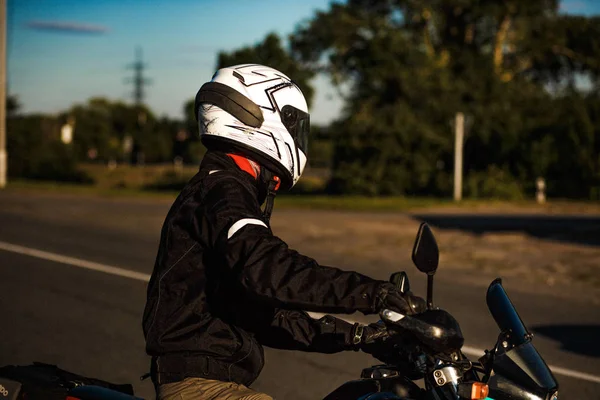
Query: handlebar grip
(435,328)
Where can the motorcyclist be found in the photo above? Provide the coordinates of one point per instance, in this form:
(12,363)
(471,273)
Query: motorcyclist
(223,285)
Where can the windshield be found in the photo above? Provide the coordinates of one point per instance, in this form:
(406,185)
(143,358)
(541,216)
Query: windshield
(505,314)
(519,370)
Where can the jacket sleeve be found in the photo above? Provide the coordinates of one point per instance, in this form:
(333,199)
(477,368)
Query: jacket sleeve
(266,267)
(296,330)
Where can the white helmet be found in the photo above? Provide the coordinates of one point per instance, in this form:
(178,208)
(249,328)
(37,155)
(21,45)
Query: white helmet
(257,111)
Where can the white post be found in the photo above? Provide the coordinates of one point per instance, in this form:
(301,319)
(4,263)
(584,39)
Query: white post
(459,131)
(66,132)
(3,155)
(540,194)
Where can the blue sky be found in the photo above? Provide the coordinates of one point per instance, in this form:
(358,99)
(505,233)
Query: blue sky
(51,70)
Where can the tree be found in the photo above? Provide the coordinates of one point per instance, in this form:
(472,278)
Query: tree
(189,116)
(412,65)
(190,147)
(12,106)
(93,129)
(102,126)
(37,153)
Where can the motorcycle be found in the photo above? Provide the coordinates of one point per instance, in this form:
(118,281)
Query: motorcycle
(427,346)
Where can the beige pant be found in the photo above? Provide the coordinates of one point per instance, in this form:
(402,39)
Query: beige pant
(207,389)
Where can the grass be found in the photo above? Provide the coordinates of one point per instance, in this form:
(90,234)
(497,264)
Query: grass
(25,186)
(135,177)
(324,202)
(358,203)
(160,182)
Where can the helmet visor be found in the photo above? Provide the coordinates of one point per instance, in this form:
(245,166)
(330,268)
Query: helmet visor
(297,122)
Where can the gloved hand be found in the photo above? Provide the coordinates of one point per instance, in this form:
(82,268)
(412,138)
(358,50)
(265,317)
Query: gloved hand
(405,303)
(371,339)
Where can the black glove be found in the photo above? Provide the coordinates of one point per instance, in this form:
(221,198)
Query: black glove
(389,297)
(371,339)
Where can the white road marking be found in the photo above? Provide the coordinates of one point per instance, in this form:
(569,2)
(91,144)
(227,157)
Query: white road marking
(125,273)
(75,262)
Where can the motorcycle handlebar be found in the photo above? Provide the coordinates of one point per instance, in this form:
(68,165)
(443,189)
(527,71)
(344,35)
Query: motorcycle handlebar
(436,329)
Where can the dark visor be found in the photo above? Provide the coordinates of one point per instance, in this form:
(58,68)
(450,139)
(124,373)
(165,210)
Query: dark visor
(297,122)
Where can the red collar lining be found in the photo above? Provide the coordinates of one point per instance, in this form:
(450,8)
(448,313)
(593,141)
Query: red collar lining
(250,167)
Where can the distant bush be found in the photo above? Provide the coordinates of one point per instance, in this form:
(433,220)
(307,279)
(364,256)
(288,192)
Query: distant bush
(57,164)
(309,185)
(36,153)
(494,183)
(169,181)
(172,181)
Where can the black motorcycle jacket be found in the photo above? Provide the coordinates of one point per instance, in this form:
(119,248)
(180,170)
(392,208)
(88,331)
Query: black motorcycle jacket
(223,285)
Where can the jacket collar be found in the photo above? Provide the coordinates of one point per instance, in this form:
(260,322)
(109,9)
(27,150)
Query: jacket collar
(219,161)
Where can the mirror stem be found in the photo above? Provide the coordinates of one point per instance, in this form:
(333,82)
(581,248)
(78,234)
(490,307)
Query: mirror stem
(430,291)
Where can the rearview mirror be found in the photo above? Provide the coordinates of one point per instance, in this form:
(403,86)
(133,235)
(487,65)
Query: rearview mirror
(425,253)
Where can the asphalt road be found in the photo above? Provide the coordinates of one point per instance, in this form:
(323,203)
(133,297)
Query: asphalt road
(89,322)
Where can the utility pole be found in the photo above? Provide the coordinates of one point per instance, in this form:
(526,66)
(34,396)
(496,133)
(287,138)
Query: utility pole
(459,133)
(138,80)
(139,83)
(3,155)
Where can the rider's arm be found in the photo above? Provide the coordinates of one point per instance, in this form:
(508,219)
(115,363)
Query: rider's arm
(296,330)
(264,265)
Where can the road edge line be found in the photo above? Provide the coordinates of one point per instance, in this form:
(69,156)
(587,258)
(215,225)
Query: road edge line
(76,262)
(125,273)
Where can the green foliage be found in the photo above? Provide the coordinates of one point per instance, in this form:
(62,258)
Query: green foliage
(57,164)
(36,153)
(101,129)
(169,181)
(320,148)
(192,149)
(156,140)
(514,68)
(411,66)
(93,128)
(12,106)
(189,118)
(103,126)
(575,130)
(493,183)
